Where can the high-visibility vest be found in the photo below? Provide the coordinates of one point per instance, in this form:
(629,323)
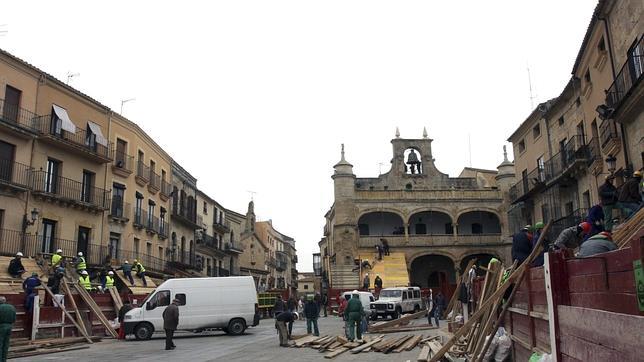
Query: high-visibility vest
(109,282)
(84,281)
(139,268)
(81,263)
(56,259)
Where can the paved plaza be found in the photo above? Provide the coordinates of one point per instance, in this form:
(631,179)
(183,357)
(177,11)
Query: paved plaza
(258,344)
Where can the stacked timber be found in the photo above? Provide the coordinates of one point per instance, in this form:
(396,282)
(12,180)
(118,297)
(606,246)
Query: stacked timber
(336,345)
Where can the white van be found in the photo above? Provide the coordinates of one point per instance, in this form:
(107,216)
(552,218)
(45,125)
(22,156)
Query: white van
(226,303)
(365,298)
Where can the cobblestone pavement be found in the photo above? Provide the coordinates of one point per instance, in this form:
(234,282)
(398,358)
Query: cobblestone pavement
(258,344)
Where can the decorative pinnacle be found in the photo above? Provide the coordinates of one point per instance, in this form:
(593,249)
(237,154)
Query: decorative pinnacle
(424,132)
(397,132)
(342,152)
(505,154)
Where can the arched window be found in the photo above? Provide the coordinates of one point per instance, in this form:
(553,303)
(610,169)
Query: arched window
(413,161)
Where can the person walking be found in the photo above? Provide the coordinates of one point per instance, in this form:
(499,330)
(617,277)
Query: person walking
(127,271)
(122,312)
(366,282)
(15,266)
(291,305)
(353,314)
(377,284)
(385,246)
(379,252)
(7,319)
(630,198)
(439,307)
(311,312)
(140,271)
(430,307)
(325,303)
(170,323)
(608,199)
(280,325)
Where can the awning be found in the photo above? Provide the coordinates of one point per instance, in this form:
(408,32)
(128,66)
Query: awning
(151,202)
(96,130)
(67,123)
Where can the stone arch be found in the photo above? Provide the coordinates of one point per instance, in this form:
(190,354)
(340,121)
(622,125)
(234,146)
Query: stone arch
(432,208)
(381,223)
(413,256)
(370,210)
(478,222)
(434,271)
(431,222)
(478,208)
(497,253)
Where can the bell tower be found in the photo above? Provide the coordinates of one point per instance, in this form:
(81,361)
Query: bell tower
(345,237)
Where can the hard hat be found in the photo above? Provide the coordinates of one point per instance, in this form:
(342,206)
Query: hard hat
(80,253)
(19,254)
(110,272)
(526,228)
(136,260)
(355,291)
(539,225)
(126,262)
(84,272)
(585,227)
(637,174)
(59,251)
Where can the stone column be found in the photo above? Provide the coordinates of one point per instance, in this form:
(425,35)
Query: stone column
(455,230)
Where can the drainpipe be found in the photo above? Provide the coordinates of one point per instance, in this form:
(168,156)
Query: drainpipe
(612,67)
(31,160)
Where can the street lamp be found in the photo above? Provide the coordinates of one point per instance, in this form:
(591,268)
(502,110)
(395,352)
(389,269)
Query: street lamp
(27,222)
(611,163)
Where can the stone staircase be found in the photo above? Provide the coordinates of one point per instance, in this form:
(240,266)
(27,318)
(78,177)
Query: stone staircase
(392,270)
(343,277)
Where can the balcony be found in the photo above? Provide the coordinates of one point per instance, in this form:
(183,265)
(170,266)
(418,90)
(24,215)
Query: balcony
(433,240)
(628,77)
(120,211)
(155,182)
(69,192)
(271,262)
(82,141)
(233,249)
(14,176)
(187,218)
(166,190)
(13,241)
(152,224)
(140,218)
(572,219)
(610,140)
(18,121)
(532,183)
(213,244)
(164,229)
(142,173)
(221,226)
(122,164)
(574,158)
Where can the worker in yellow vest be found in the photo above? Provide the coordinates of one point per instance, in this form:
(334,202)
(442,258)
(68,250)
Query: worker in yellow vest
(84,281)
(109,281)
(140,271)
(80,263)
(57,260)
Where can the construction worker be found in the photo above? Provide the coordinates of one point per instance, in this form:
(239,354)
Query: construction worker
(140,271)
(366,282)
(597,244)
(522,244)
(15,266)
(608,198)
(31,283)
(377,284)
(7,319)
(280,324)
(572,237)
(84,281)
(630,199)
(57,259)
(80,263)
(127,271)
(108,283)
(353,313)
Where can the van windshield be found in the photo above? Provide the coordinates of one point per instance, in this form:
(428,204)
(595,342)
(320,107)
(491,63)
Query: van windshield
(390,293)
(147,298)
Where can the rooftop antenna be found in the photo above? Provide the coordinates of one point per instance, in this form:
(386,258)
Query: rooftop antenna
(469,147)
(71,75)
(123,101)
(252,195)
(3,32)
(532,96)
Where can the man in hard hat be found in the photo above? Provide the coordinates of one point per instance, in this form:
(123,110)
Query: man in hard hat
(7,319)
(57,260)
(127,271)
(84,280)
(108,283)
(80,263)
(608,198)
(522,244)
(140,271)
(15,266)
(630,198)
(572,237)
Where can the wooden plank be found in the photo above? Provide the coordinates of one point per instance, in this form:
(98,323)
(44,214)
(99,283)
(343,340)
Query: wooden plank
(342,339)
(424,353)
(87,298)
(407,329)
(414,342)
(454,297)
(398,321)
(365,346)
(302,341)
(81,330)
(335,353)
(79,317)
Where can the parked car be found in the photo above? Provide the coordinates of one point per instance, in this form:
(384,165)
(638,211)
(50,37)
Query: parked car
(226,303)
(396,301)
(365,298)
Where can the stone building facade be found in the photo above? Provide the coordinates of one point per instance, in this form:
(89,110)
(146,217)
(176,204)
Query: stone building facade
(281,258)
(438,222)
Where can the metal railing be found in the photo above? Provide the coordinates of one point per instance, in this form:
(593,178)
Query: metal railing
(607,132)
(223,226)
(152,224)
(232,247)
(166,188)
(140,218)
(164,228)
(70,190)
(13,241)
(155,180)
(119,208)
(81,138)
(567,221)
(574,151)
(15,116)
(143,171)
(123,161)
(15,173)
(630,75)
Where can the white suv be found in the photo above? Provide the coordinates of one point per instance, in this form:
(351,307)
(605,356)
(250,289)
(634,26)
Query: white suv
(396,301)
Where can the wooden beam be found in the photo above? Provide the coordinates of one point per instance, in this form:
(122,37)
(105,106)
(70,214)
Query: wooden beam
(398,321)
(452,300)
(366,345)
(87,298)
(79,318)
(81,330)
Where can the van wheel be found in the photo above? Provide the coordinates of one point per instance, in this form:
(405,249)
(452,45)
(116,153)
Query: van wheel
(236,327)
(416,308)
(143,331)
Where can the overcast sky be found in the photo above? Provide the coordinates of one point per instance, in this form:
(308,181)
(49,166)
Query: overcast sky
(259,95)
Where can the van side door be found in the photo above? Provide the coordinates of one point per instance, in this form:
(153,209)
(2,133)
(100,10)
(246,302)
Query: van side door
(186,317)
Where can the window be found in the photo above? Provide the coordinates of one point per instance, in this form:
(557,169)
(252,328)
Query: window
(306,287)
(404,295)
(87,186)
(561,120)
(477,228)
(11,103)
(148,248)
(114,245)
(51,179)
(181,298)
(151,205)
(416,294)
(363,229)
(82,243)
(587,76)
(541,167)
(48,234)
(536,131)
(586,198)
(153,166)
(421,229)
(121,153)
(449,228)
(137,243)
(162,229)
(601,46)
(521,146)
(205,208)
(90,138)
(160,299)
(118,195)
(161,252)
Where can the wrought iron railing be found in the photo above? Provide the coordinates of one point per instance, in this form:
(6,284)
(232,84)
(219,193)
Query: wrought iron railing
(70,190)
(143,171)
(16,116)
(166,188)
(119,208)
(140,218)
(155,180)
(607,132)
(123,161)
(82,139)
(630,75)
(15,173)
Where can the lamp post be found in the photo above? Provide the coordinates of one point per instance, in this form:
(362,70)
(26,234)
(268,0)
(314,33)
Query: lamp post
(26,222)
(611,163)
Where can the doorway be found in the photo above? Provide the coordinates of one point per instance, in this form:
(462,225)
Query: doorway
(82,243)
